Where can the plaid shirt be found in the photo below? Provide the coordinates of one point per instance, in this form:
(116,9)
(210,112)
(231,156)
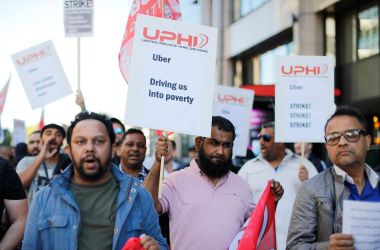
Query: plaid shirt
(142,174)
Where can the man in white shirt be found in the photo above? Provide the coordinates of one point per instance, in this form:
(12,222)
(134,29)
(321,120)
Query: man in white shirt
(281,164)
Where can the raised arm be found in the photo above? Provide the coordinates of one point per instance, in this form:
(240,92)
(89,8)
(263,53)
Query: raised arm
(152,180)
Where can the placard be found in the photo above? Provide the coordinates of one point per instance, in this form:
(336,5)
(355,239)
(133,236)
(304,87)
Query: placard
(41,74)
(78,17)
(235,104)
(172,76)
(304,97)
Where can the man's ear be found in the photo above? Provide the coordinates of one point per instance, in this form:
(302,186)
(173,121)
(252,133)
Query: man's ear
(198,142)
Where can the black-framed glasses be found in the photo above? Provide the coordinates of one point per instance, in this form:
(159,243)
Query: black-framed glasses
(265,137)
(351,135)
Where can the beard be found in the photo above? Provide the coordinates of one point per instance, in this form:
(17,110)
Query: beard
(92,176)
(212,169)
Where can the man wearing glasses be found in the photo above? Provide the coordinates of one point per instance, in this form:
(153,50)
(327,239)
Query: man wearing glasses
(317,215)
(119,129)
(281,164)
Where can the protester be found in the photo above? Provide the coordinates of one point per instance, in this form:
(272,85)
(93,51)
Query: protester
(119,129)
(92,205)
(132,154)
(281,164)
(170,163)
(13,199)
(36,171)
(207,204)
(21,150)
(319,164)
(317,214)
(34,143)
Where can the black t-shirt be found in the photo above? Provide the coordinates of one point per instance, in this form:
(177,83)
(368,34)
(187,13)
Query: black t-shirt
(10,184)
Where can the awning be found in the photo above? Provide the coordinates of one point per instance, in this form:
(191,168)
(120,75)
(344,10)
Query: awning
(268,90)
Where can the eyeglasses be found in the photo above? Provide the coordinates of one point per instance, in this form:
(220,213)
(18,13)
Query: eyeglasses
(265,137)
(351,135)
(118,130)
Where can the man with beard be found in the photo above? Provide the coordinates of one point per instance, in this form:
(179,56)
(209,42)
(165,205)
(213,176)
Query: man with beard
(36,171)
(316,221)
(207,204)
(92,205)
(34,143)
(281,164)
(132,154)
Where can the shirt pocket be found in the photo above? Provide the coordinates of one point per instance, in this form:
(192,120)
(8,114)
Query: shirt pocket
(325,206)
(55,232)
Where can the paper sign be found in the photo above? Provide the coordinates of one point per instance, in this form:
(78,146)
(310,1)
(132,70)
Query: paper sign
(304,97)
(235,104)
(78,17)
(172,76)
(362,220)
(41,74)
(19,132)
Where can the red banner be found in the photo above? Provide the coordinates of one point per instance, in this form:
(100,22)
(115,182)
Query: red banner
(146,7)
(260,233)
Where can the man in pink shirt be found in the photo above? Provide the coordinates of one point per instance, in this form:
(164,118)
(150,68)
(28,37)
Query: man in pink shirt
(207,203)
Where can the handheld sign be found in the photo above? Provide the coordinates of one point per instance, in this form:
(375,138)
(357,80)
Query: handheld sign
(41,74)
(172,76)
(304,97)
(19,132)
(78,17)
(235,104)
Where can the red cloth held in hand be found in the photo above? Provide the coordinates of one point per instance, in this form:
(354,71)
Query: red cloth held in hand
(133,243)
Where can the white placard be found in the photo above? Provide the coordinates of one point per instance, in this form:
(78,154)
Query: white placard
(78,17)
(362,220)
(236,105)
(41,74)
(19,132)
(172,76)
(304,97)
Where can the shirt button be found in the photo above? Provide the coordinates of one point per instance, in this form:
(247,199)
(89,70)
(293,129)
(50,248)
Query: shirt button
(74,227)
(115,231)
(133,190)
(129,199)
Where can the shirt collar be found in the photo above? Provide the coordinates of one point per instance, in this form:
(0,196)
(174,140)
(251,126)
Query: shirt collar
(372,176)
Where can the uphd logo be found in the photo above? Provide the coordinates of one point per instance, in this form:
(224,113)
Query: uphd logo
(304,70)
(196,41)
(231,99)
(34,56)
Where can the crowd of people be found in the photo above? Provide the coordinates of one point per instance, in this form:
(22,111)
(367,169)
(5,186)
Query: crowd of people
(99,194)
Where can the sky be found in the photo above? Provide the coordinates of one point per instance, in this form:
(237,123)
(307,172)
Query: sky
(25,23)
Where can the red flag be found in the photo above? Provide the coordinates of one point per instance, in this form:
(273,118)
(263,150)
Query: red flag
(42,122)
(151,8)
(3,95)
(260,233)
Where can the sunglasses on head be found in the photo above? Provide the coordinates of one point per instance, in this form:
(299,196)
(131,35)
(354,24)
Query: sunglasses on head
(118,130)
(265,137)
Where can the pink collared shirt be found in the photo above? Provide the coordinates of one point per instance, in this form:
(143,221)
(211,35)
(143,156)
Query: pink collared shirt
(201,215)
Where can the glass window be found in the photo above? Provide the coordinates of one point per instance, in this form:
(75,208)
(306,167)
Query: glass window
(330,37)
(368,35)
(244,7)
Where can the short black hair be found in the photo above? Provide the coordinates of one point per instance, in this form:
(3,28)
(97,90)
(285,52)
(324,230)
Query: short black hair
(224,124)
(133,131)
(86,115)
(115,120)
(349,111)
(56,126)
(268,125)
